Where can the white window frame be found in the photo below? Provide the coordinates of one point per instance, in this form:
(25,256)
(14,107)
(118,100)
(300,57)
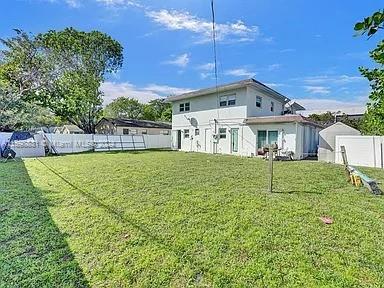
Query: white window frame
(197,132)
(261,101)
(222,133)
(186,134)
(231,100)
(181,107)
(144,131)
(164,132)
(223,101)
(227,100)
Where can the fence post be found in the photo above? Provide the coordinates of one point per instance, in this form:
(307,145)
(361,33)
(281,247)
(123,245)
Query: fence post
(121,143)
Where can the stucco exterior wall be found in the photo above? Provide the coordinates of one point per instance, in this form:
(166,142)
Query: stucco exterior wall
(265,109)
(207,117)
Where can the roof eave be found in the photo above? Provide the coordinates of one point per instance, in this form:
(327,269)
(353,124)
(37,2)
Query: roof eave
(228,87)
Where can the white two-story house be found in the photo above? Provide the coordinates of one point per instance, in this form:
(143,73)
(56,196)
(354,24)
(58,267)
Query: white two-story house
(241,118)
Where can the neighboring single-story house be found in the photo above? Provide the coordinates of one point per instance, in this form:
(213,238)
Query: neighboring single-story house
(241,118)
(327,140)
(111,126)
(68,129)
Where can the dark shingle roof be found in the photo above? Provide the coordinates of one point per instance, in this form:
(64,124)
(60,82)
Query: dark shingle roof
(138,123)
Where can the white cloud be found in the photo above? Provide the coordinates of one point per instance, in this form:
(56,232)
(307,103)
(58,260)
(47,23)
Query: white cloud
(120,3)
(240,72)
(166,90)
(207,70)
(275,85)
(182,20)
(332,79)
(206,67)
(180,61)
(317,89)
(113,90)
(323,105)
(287,50)
(274,67)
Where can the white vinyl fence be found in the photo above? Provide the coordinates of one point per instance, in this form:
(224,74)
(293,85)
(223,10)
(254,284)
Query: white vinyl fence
(361,150)
(77,143)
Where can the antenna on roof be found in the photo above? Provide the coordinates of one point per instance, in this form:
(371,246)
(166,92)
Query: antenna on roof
(214,39)
(215,63)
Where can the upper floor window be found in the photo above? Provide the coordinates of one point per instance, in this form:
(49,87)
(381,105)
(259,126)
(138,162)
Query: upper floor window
(197,132)
(272,106)
(186,133)
(184,107)
(229,100)
(223,101)
(258,101)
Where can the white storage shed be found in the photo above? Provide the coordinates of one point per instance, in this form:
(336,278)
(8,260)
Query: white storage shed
(327,140)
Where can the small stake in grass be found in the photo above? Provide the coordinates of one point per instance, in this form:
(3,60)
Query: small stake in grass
(270,151)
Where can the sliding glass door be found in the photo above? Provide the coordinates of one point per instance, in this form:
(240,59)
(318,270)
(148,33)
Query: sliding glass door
(265,138)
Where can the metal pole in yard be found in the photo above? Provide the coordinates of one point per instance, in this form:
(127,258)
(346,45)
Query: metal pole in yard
(270,151)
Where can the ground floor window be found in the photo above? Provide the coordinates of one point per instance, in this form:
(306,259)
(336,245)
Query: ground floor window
(125,131)
(222,133)
(144,131)
(164,132)
(197,132)
(186,133)
(265,138)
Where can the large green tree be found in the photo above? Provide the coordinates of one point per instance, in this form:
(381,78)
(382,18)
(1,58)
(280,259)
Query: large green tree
(123,107)
(129,108)
(162,109)
(61,70)
(329,118)
(374,118)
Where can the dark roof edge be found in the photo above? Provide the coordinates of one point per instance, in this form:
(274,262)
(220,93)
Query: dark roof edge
(226,87)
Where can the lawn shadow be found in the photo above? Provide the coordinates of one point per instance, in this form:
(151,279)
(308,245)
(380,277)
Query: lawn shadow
(33,251)
(183,258)
(297,192)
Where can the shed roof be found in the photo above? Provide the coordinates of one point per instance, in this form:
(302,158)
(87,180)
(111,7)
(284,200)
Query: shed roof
(72,128)
(340,126)
(281,119)
(227,87)
(121,122)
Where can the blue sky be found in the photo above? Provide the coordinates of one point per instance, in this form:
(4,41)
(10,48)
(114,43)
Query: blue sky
(303,49)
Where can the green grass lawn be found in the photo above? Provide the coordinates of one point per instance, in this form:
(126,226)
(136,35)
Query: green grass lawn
(170,219)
